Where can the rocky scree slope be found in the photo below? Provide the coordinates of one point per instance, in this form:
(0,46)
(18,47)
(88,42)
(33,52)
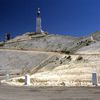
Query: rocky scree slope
(40,42)
(28,53)
(47,42)
(93,48)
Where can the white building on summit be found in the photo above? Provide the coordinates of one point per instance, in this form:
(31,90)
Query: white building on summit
(38,22)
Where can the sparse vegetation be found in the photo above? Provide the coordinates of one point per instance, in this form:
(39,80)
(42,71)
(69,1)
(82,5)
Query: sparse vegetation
(21,80)
(67,62)
(69,58)
(61,62)
(21,48)
(2,43)
(88,43)
(66,52)
(63,84)
(79,58)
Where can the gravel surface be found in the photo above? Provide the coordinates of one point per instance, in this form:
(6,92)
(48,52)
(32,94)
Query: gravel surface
(49,93)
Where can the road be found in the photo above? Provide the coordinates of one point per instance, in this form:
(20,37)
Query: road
(29,51)
(49,93)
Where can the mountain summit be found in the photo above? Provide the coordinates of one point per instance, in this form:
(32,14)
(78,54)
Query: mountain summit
(46,56)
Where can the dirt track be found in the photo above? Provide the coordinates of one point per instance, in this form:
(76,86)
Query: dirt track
(49,93)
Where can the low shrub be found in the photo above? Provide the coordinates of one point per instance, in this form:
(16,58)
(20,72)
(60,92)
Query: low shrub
(66,52)
(79,58)
(21,80)
(69,58)
(63,84)
(2,43)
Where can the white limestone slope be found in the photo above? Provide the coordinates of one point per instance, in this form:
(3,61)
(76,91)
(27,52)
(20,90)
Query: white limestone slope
(75,73)
(91,49)
(50,68)
(40,42)
(15,61)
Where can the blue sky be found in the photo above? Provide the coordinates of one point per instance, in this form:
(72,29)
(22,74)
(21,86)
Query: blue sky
(70,17)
